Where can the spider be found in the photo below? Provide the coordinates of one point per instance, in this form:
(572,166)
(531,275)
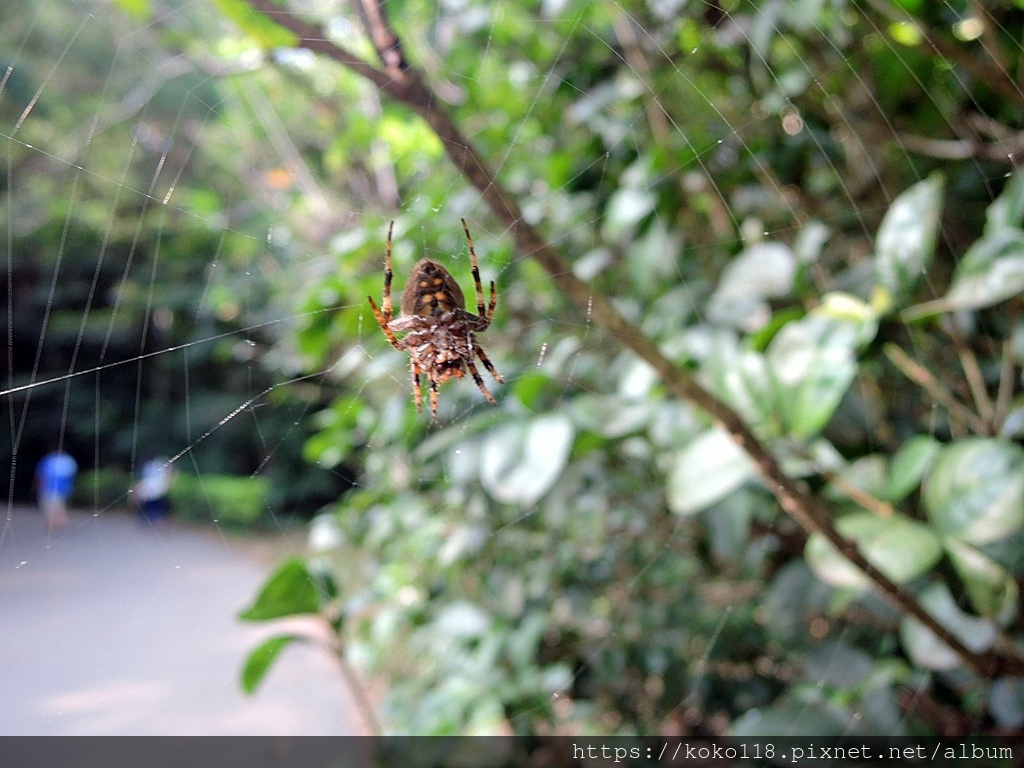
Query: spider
(440,334)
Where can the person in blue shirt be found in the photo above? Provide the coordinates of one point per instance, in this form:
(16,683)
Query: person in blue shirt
(55,479)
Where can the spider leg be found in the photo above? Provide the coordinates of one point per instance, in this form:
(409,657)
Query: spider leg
(476,273)
(487,363)
(388,275)
(432,382)
(383,323)
(493,304)
(417,392)
(480,382)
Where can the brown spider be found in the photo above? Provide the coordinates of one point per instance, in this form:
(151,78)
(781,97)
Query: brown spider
(440,333)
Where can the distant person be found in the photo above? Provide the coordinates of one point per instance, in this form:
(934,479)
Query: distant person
(152,490)
(55,479)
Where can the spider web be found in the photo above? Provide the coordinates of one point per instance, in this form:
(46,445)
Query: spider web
(161,114)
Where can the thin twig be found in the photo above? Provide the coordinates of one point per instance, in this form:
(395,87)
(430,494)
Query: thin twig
(971,369)
(873,505)
(925,379)
(1005,391)
(404,83)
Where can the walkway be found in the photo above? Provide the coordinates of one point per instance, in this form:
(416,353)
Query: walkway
(110,628)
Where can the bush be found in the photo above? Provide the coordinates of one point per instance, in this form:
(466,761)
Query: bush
(223,499)
(100,489)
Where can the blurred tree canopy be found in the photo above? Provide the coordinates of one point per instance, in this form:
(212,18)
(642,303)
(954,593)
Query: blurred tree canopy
(810,207)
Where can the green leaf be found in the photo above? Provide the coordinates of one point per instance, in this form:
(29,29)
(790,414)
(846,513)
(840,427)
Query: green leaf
(138,9)
(263,30)
(812,363)
(899,547)
(909,465)
(866,474)
(289,591)
(975,490)
(991,271)
(761,271)
(792,717)
(521,462)
(741,378)
(905,242)
(925,649)
(992,590)
(626,208)
(1007,210)
(705,471)
(262,658)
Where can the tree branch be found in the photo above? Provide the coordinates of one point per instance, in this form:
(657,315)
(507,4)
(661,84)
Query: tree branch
(404,83)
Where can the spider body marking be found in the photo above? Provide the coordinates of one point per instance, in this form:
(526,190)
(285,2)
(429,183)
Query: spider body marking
(440,335)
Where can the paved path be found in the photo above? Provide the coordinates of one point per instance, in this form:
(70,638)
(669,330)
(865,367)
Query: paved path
(110,628)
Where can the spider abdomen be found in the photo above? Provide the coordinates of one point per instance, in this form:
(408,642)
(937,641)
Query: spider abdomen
(431,290)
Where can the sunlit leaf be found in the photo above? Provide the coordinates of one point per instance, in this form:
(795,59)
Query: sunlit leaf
(740,377)
(761,271)
(992,590)
(461,620)
(289,591)
(706,470)
(809,242)
(975,490)
(262,658)
(905,242)
(991,271)
(625,210)
(899,547)
(520,462)
(925,649)
(140,9)
(813,363)
(260,28)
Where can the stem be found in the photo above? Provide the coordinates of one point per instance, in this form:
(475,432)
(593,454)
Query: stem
(925,379)
(404,84)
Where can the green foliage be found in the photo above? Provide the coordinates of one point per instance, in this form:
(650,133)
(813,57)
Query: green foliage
(594,555)
(767,193)
(225,499)
(100,489)
(262,658)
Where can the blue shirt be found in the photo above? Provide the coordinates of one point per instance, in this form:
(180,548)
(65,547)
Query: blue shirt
(56,472)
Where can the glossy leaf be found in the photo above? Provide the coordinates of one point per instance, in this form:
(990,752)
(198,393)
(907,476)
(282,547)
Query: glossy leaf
(289,591)
(813,363)
(925,649)
(975,490)
(520,462)
(262,658)
(991,271)
(993,592)
(705,471)
(905,242)
(761,271)
(741,378)
(899,547)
